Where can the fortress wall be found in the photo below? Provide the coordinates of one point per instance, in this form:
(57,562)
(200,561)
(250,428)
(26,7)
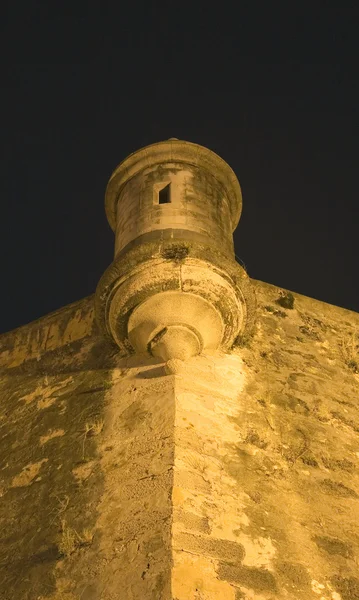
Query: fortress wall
(86,446)
(225,477)
(266,496)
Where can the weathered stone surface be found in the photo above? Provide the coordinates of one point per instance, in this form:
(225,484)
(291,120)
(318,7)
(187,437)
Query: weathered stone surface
(225,477)
(174,288)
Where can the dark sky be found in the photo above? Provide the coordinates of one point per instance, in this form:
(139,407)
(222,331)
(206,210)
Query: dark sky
(274,92)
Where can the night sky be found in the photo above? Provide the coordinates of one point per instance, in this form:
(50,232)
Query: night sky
(274,92)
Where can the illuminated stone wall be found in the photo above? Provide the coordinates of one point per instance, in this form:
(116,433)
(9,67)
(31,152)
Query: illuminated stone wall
(225,477)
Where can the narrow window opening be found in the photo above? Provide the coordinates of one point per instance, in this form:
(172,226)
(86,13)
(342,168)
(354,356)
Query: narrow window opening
(164,195)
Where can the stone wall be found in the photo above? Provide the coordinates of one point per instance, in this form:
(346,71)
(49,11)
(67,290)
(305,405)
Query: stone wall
(266,485)
(198,204)
(86,447)
(226,477)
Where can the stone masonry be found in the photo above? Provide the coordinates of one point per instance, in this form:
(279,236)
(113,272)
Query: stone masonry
(188,453)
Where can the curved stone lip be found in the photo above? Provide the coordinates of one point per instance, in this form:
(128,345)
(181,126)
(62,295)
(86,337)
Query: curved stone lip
(151,254)
(174,151)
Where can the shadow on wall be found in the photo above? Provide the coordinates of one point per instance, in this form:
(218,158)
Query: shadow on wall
(63,446)
(52,416)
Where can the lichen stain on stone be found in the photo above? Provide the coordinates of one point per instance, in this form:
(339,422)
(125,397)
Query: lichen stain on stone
(294,575)
(70,323)
(222,549)
(258,579)
(53,433)
(191,521)
(254,438)
(44,392)
(133,415)
(290,402)
(59,595)
(286,299)
(176,252)
(335,464)
(28,474)
(83,471)
(338,489)
(77,327)
(34,508)
(333,546)
(348,587)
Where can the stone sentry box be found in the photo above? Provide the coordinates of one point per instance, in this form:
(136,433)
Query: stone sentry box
(174,289)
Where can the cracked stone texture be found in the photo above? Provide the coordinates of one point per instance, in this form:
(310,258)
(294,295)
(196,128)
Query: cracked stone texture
(224,477)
